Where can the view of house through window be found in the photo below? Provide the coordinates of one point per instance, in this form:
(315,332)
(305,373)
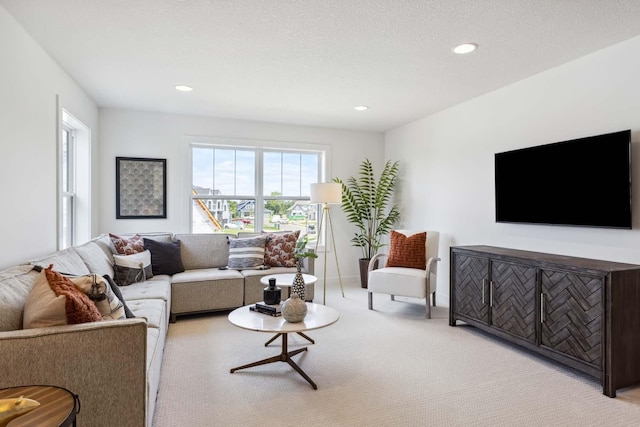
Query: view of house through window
(253,189)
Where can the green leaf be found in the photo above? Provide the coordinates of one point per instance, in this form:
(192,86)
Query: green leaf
(365,202)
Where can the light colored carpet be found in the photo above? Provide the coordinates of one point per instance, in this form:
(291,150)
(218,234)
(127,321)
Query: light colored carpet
(388,367)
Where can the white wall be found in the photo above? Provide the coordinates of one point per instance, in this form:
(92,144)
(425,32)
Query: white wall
(156,135)
(29,83)
(447,157)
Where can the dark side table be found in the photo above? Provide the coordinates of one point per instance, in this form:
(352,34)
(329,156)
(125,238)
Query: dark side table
(58,406)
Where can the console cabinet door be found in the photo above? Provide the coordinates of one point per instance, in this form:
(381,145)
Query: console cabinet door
(471,283)
(571,315)
(513,299)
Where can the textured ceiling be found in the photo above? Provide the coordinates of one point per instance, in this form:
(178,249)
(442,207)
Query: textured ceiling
(311,61)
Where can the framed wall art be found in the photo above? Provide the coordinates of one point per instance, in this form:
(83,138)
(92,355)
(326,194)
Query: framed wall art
(141,188)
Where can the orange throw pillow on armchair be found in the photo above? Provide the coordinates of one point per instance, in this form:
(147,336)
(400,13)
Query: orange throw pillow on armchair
(408,251)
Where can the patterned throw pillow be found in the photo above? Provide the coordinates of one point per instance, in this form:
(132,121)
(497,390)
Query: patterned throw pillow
(99,291)
(246,253)
(408,251)
(127,246)
(129,269)
(116,290)
(78,307)
(279,251)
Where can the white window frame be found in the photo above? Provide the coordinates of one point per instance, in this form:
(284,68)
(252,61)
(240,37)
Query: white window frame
(67,222)
(78,223)
(259,147)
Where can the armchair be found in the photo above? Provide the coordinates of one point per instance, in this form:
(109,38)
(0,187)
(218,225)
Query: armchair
(407,272)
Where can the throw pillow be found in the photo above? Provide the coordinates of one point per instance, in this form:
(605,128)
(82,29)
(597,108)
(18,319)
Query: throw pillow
(43,307)
(99,291)
(408,251)
(116,290)
(127,246)
(246,253)
(280,249)
(78,307)
(165,257)
(129,269)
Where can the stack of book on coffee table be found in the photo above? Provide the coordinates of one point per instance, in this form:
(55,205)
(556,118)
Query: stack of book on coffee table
(271,310)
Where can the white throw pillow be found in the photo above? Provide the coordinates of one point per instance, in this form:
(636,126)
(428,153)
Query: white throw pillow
(129,269)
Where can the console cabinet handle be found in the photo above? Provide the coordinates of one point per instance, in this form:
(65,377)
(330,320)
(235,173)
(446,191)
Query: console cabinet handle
(483,292)
(542,297)
(491,293)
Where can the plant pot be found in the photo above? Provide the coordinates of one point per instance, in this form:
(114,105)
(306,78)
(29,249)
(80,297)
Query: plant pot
(364,268)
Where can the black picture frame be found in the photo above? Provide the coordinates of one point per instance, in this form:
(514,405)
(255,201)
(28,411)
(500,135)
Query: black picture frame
(141,188)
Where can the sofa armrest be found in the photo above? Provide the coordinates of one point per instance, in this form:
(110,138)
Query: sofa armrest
(104,363)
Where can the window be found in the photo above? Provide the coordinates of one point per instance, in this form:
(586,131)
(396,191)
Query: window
(67,187)
(255,188)
(74,166)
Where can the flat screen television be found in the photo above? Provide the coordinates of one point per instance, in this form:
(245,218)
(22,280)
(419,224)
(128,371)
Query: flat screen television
(583,182)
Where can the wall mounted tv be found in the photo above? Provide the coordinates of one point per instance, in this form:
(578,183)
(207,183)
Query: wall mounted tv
(583,182)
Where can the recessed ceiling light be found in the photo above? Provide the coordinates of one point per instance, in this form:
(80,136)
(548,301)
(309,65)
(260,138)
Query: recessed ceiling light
(465,48)
(184,88)
(361,108)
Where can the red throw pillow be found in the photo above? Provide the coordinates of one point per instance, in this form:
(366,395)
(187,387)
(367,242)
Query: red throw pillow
(79,308)
(280,249)
(408,251)
(127,246)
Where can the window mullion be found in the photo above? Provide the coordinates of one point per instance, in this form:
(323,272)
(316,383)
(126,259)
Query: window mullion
(258,216)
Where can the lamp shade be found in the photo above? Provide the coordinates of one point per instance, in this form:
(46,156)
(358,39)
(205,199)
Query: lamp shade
(326,192)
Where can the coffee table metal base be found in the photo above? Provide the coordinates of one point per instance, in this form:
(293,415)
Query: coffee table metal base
(284,356)
(299,333)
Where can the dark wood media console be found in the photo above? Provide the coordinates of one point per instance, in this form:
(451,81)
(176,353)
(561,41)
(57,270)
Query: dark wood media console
(581,312)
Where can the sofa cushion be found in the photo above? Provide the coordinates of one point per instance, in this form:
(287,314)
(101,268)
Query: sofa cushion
(99,291)
(66,261)
(127,245)
(205,274)
(133,268)
(165,257)
(280,249)
(95,258)
(153,310)
(203,250)
(159,287)
(246,253)
(15,284)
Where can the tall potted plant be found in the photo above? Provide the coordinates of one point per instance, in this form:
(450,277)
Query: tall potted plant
(365,201)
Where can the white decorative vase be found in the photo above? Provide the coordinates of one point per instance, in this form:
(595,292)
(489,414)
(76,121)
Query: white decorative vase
(294,309)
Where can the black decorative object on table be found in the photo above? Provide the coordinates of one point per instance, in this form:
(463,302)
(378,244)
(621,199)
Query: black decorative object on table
(272,294)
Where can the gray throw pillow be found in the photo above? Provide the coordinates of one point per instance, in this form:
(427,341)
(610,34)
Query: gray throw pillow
(247,253)
(165,257)
(116,290)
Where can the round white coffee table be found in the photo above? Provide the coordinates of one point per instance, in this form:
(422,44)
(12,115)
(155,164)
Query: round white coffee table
(285,280)
(318,316)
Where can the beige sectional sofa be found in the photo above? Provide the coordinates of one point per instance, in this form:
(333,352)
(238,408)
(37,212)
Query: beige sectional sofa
(114,366)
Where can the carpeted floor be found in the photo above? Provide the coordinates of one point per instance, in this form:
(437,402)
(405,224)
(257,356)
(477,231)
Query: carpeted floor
(388,367)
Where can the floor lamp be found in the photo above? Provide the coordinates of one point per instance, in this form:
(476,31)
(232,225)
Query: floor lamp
(327,193)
